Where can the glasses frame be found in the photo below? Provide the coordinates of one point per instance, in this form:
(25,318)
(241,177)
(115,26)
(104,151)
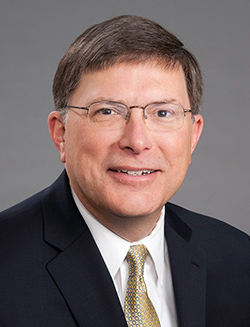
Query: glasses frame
(129,108)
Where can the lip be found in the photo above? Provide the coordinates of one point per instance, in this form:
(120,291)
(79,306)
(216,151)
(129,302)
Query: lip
(128,168)
(131,168)
(131,178)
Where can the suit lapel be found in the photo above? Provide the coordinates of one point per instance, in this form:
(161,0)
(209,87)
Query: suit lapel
(78,270)
(188,272)
(84,281)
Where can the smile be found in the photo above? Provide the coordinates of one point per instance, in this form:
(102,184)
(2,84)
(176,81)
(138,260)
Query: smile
(136,172)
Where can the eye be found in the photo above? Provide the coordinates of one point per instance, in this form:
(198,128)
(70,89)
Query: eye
(107,108)
(163,113)
(106,111)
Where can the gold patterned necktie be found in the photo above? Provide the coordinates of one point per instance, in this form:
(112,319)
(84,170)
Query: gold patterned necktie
(139,310)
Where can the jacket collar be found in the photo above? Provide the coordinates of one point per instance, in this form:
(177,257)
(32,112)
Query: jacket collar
(188,269)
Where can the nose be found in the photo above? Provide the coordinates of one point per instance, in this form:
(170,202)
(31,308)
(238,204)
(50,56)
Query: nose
(135,134)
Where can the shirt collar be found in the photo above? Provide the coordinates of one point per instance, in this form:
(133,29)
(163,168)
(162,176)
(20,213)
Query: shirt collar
(114,249)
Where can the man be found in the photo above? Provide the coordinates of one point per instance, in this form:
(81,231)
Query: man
(127,98)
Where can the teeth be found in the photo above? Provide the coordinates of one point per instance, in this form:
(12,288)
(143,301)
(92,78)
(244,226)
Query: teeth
(136,172)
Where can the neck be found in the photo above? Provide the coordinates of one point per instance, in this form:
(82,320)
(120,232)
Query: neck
(131,229)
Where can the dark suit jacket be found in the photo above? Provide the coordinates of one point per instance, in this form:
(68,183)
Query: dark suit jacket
(52,273)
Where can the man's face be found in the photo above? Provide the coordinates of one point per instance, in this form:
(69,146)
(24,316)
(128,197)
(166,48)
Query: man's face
(94,158)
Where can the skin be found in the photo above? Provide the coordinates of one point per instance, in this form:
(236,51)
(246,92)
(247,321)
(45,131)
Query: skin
(128,205)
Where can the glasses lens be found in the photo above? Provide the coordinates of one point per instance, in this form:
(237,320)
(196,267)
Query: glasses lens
(107,115)
(164,116)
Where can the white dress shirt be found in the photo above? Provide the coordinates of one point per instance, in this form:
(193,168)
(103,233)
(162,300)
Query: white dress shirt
(157,271)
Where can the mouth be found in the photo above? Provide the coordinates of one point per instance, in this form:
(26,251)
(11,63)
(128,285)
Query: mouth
(135,172)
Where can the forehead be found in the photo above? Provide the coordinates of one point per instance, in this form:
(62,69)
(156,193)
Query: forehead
(134,84)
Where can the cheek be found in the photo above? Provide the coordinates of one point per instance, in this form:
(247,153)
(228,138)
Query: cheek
(176,150)
(86,152)
(176,144)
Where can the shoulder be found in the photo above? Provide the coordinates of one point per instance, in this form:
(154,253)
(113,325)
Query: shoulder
(200,222)
(22,209)
(47,213)
(225,248)
(21,226)
(226,251)
(34,204)
(212,233)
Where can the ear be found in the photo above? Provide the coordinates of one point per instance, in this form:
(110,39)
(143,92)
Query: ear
(57,133)
(197,128)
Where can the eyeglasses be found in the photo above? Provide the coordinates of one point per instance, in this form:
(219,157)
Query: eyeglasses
(111,115)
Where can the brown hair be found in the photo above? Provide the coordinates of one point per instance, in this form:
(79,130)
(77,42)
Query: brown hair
(124,39)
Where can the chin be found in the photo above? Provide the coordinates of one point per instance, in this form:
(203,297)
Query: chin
(135,208)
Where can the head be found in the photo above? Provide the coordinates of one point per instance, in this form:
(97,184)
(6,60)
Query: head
(124,176)
(124,39)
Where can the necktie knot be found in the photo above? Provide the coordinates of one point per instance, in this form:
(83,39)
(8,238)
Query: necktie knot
(136,257)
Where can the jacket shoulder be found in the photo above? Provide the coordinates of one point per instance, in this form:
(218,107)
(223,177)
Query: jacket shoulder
(209,231)
(22,208)
(202,222)
(35,201)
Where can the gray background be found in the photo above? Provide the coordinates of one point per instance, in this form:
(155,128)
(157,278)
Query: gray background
(33,37)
